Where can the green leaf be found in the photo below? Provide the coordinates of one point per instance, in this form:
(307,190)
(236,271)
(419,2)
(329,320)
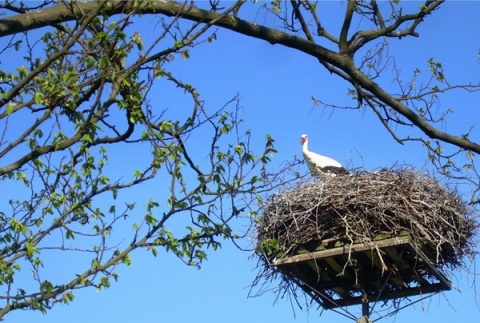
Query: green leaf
(185,54)
(17,45)
(239,149)
(90,62)
(10,108)
(38,98)
(470,155)
(226,129)
(149,218)
(104,282)
(69,235)
(30,249)
(178,44)
(68,297)
(46,287)
(22,71)
(17,226)
(154,251)
(126,260)
(88,137)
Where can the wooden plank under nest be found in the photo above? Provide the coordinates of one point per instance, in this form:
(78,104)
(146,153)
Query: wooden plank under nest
(381,270)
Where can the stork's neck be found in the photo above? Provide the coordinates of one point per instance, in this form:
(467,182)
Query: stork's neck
(305,147)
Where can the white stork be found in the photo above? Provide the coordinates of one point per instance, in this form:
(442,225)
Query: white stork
(318,164)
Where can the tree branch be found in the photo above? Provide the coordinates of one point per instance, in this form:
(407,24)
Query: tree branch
(343,45)
(363,37)
(299,16)
(398,106)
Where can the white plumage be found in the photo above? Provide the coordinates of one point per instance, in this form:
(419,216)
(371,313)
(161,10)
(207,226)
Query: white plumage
(318,164)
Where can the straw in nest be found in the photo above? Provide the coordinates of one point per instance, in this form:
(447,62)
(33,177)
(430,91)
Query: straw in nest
(367,206)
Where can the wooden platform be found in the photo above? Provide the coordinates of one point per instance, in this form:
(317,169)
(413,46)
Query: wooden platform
(337,274)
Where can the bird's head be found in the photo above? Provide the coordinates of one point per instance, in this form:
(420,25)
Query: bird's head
(303,139)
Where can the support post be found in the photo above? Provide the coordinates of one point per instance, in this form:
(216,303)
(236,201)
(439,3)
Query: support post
(365,312)
(365,307)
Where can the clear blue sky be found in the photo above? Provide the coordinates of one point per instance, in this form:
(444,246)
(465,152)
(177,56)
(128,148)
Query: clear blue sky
(276,85)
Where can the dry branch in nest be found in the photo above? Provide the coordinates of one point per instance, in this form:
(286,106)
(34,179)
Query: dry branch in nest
(365,207)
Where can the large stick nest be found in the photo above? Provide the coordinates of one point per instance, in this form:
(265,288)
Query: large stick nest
(367,206)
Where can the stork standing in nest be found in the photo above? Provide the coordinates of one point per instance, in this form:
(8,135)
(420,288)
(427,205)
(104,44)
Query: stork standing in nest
(320,165)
